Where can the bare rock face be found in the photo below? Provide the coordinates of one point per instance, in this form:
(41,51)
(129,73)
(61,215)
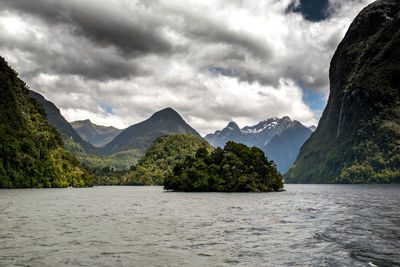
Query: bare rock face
(358,136)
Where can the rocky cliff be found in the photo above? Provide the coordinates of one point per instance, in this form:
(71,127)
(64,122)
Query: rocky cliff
(358,136)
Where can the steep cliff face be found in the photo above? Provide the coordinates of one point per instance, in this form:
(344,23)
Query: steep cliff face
(358,136)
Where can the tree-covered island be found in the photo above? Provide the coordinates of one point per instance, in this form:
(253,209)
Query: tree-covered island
(236,168)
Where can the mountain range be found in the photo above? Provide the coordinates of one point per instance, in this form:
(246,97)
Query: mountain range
(127,146)
(280,139)
(97,135)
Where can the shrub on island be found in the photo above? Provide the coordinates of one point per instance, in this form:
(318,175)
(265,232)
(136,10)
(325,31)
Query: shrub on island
(236,168)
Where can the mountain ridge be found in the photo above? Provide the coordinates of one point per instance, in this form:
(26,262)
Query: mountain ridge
(97,135)
(142,134)
(55,118)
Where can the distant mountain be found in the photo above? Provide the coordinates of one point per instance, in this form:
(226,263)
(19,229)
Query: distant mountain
(140,136)
(358,135)
(63,126)
(286,138)
(258,135)
(231,132)
(97,135)
(312,128)
(284,147)
(261,134)
(31,150)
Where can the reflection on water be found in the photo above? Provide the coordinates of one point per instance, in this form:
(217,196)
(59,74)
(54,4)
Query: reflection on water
(308,225)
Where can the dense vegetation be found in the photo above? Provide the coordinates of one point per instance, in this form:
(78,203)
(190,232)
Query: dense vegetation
(358,136)
(162,156)
(31,150)
(236,168)
(109,176)
(119,161)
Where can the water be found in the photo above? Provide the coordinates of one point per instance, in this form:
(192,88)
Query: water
(308,225)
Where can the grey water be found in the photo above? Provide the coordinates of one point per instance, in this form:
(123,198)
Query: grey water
(308,225)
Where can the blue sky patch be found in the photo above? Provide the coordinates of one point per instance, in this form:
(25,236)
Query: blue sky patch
(312,10)
(222,71)
(108,109)
(316,101)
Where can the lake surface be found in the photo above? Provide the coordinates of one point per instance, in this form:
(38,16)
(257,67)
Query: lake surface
(308,225)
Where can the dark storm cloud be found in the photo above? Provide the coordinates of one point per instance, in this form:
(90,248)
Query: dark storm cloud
(132,35)
(210,30)
(74,58)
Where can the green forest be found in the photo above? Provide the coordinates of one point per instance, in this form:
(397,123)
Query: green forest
(31,150)
(235,168)
(156,164)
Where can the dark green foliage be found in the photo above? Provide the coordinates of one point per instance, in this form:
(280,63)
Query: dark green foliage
(31,152)
(162,156)
(109,176)
(236,168)
(358,136)
(119,161)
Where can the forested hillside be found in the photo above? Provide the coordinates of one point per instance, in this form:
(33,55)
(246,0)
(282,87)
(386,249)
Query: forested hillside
(31,150)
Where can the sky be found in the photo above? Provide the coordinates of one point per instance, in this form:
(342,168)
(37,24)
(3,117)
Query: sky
(116,62)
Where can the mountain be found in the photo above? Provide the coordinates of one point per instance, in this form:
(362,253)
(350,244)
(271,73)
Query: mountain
(284,147)
(63,126)
(231,132)
(358,137)
(258,135)
(162,155)
(140,136)
(312,128)
(31,150)
(97,135)
(280,139)
(262,133)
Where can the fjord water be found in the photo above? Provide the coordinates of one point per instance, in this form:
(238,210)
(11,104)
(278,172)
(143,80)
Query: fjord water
(308,225)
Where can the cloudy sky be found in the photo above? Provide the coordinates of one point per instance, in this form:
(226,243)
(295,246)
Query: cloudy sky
(117,62)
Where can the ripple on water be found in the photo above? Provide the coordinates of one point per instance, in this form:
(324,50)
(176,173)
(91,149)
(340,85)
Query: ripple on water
(308,225)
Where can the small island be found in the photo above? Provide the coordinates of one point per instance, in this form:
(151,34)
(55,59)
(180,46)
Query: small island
(236,168)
